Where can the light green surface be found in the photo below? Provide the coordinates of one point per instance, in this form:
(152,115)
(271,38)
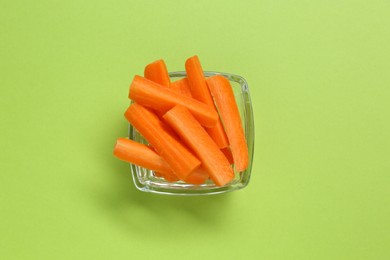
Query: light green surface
(319,75)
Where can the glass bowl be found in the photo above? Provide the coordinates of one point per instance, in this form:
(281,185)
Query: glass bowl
(145,180)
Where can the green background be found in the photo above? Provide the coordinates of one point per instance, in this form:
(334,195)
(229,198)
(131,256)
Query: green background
(319,76)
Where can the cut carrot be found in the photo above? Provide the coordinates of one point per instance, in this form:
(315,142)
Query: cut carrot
(224,97)
(153,95)
(171,177)
(201,92)
(199,176)
(228,154)
(157,71)
(197,80)
(179,158)
(141,155)
(181,86)
(194,135)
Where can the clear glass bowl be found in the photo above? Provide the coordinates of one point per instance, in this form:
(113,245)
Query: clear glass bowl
(145,180)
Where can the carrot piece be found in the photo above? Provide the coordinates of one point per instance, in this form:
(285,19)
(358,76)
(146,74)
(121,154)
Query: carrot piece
(150,94)
(181,86)
(199,176)
(157,71)
(141,155)
(224,97)
(228,154)
(179,158)
(197,80)
(201,92)
(194,135)
(171,177)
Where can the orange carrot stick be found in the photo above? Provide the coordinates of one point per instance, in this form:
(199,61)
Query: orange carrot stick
(179,158)
(199,176)
(157,71)
(171,177)
(181,86)
(141,155)
(150,94)
(224,97)
(228,154)
(201,92)
(194,135)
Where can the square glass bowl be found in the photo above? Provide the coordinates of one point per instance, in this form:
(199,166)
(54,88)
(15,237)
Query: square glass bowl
(145,180)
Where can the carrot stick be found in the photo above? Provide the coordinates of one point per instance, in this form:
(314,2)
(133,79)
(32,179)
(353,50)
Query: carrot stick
(197,80)
(228,154)
(171,177)
(201,92)
(141,155)
(157,71)
(194,135)
(198,176)
(179,158)
(150,94)
(181,86)
(224,97)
